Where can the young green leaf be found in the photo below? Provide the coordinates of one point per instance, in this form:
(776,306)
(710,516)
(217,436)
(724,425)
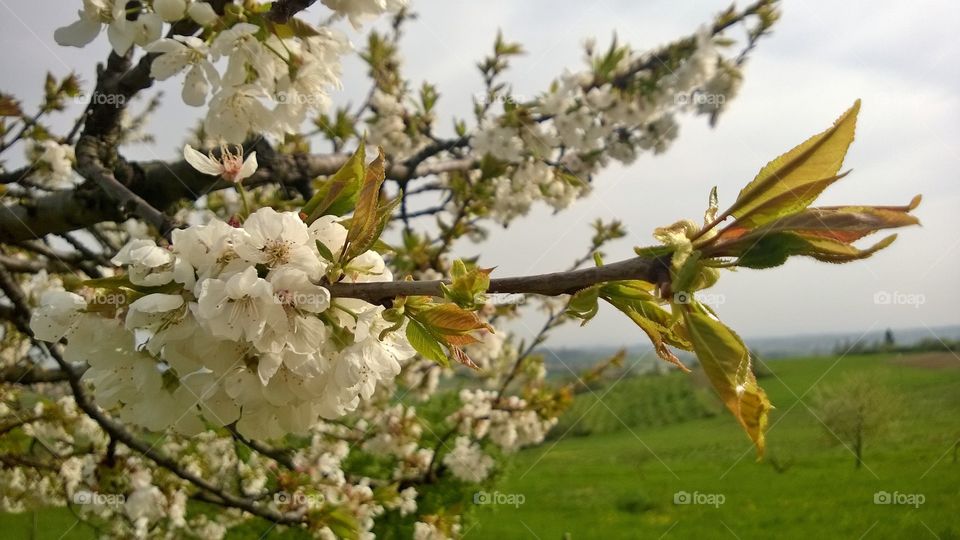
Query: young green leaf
(659,334)
(726,362)
(365,222)
(338,194)
(793,180)
(451,319)
(584,305)
(467,285)
(425,343)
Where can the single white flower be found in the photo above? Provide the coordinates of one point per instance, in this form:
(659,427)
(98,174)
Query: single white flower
(147,264)
(303,332)
(179,52)
(236,111)
(277,239)
(240,307)
(58,313)
(230,166)
(244,51)
(123,34)
(153,311)
(359,11)
(92,16)
(208,248)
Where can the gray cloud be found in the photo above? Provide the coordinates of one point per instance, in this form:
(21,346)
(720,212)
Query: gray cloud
(823,55)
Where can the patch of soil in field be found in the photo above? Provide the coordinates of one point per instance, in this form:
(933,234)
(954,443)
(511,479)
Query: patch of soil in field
(931,360)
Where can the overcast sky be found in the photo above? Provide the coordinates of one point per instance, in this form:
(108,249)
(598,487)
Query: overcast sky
(901,59)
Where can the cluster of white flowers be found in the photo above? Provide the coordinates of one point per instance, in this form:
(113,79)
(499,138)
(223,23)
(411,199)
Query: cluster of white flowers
(580,125)
(435,529)
(229,324)
(510,423)
(52,162)
(533,181)
(387,126)
(467,461)
(269,85)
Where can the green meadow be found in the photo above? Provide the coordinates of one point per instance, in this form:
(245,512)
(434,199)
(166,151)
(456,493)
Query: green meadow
(617,471)
(655,457)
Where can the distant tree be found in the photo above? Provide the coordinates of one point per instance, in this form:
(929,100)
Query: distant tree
(888,341)
(854,410)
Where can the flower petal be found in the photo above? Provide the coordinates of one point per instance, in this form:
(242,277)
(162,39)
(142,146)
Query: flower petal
(249,167)
(77,34)
(202,163)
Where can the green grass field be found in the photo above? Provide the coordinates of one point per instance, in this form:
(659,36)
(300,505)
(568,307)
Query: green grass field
(612,467)
(621,484)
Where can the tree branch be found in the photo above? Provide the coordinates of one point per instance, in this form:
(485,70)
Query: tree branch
(160,185)
(555,284)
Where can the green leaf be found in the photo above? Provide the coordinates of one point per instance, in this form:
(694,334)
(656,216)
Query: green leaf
(653,252)
(584,305)
(822,233)
(726,362)
(685,277)
(342,523)
(632,289)
(793,180)
(636,300)
(338,194)
(425,343)
(467,285)
(774,249)
(115,283)
(658,330)
(449,319)
(325,252)
(365,223)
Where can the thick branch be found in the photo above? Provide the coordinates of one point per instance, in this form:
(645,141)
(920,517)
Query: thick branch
(557,283)
(161,185)
(89,165)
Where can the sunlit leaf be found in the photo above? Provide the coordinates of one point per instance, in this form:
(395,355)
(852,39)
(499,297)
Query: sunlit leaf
(793,180)
(726,362)
(364,225)
(425,343)
(451,319)
(467,285)
(338,194)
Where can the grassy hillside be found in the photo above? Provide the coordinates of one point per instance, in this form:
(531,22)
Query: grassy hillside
(618,457)
(622,484)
